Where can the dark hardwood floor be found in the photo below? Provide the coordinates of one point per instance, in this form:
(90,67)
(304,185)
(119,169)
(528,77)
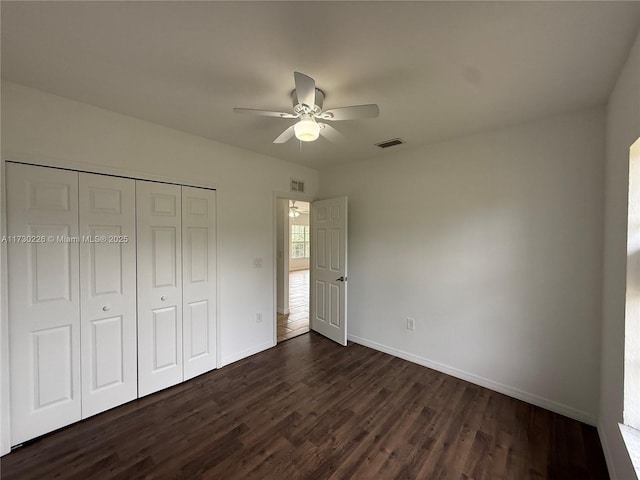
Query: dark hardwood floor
(310,409)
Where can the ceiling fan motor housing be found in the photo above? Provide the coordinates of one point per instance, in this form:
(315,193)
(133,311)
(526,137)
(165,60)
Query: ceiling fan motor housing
(317,108)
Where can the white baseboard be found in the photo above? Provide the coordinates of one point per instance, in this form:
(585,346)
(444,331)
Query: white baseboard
(546,403)
(283,311)
(245,353)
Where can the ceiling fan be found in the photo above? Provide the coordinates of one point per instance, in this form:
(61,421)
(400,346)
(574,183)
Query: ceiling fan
(307,108)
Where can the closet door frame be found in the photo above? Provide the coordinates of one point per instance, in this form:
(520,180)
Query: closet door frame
(5,389)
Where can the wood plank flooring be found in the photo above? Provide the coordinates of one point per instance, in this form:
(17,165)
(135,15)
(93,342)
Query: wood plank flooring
(310,409)
(297,321)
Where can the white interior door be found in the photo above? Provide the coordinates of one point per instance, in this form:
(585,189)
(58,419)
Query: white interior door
(159,286)
(44,301)
(198,280)
(329,268)
(108,292)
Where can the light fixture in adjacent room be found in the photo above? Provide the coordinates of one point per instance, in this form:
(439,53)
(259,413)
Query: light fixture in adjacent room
(307,129)
(293,210)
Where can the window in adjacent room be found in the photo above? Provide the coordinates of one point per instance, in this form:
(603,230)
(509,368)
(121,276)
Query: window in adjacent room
(299,241)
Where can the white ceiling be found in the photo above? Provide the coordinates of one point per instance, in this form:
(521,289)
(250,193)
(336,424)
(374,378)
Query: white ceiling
(436,69)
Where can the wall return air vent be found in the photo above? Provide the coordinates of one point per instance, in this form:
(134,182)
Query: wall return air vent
(390,143)
(297,186)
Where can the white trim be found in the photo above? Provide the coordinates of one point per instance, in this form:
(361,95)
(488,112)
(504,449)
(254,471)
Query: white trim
(546,403)
(5,411)
(303,197)
(283,311)
(611,466)
(218,282)
(47,161)
(5,407)
(246,353)
(631,439)
(279,195)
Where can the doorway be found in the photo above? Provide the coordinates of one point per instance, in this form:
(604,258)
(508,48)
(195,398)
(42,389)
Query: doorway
(293,256)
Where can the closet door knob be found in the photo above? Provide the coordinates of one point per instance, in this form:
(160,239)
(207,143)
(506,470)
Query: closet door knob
(163,298)
(106,308)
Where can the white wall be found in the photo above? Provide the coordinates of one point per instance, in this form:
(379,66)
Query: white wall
(622,129)
(493,243)
(51,130)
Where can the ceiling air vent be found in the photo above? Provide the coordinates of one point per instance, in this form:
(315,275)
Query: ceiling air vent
(390,143)
(297,186)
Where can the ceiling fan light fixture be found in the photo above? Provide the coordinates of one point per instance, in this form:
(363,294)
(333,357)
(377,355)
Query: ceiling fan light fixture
(307,129)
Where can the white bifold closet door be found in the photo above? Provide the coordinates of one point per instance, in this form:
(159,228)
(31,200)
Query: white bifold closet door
(108,292)
(44,301)
(199,280)
(102,271)
(159,213)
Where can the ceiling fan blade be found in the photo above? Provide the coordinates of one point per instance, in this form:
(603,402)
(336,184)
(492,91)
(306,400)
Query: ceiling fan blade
(264,113)
(331,134)
(351,113)
(284,136)
(305,89)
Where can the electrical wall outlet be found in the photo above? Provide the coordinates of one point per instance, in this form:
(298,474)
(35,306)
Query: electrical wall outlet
(411,324)
(257,263)
(258,317)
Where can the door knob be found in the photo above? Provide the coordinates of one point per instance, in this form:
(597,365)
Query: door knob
(341,279)
(163,298)
(106,308)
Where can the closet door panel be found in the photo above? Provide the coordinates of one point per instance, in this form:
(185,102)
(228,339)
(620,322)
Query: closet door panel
(108,292)
(44,301)
(159,249)
(199,280)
